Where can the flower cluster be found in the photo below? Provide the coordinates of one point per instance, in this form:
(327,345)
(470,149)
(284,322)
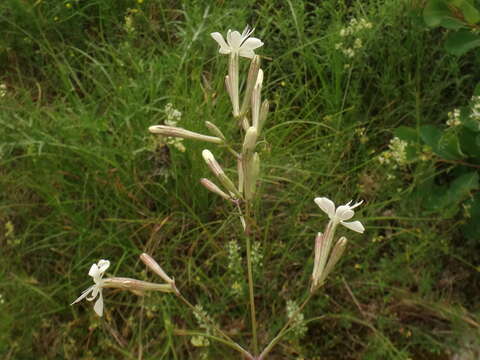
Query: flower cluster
(257,257)
(475,108)
(173,117)
(299,328)
(129,25)
(454,118)
(396,155)
(204,321)
(235,267)
(352,38)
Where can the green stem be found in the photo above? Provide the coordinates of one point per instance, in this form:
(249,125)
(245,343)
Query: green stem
(285,328)
(250,279)
(234,346)
(228,340)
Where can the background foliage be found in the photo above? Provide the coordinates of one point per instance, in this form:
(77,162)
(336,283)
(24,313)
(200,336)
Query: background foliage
(81,178)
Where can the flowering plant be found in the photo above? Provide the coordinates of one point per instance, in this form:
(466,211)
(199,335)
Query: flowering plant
(240,193)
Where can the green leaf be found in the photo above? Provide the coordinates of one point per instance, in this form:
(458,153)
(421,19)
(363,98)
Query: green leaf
(444,144)
(446,199)
(472,228)
(469,141)
(468,9)
(437,13)
(407,133)
(462,186)
(458,43)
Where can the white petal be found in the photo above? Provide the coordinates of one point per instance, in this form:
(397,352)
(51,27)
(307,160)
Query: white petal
(326,205)
(344,213)
(234,39)
(248,53)
(98,307)
(103,265)
(84,295)
(354,225)
(252,43)
(224,48)
(93,270)
(95,290)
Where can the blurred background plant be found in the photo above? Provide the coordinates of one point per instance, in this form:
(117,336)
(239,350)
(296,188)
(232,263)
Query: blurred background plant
(81,178)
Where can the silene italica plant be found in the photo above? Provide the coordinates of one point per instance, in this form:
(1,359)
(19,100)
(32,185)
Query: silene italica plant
(251,114)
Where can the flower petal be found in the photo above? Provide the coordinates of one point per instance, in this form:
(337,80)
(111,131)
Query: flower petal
(252,43)
(234,39)
(98,307)
(354,225)
(344,213)
(103,265)
(224,48)
(93,270)
(248,53)
(95,290)
(84,295)
(326,205)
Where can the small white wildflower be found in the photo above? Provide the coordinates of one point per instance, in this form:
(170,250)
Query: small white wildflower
(358,44)
(299,328)
(475,109)
(257,256)
(241,44)
(454,118)
(96,272)
(348,52)
(176,143)
(173,115)
(398,150)
(2,300)
(3,90)
(340,214)
(235,267)
(205,322)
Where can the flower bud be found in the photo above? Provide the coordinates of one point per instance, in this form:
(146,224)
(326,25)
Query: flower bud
(256,99)
(219,173)
(182,133)
(214,130)
(215,189)
(250,141)
(263,115)
(153,265)
(336,254)
(251,81)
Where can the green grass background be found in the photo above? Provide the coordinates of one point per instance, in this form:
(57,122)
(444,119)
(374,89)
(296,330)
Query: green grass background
(79,179)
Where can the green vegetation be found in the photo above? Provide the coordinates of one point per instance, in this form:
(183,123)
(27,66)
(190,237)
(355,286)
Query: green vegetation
(81,179)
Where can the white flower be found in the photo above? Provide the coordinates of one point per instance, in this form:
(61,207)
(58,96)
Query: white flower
(96,272)
(340,214)
(241,44)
